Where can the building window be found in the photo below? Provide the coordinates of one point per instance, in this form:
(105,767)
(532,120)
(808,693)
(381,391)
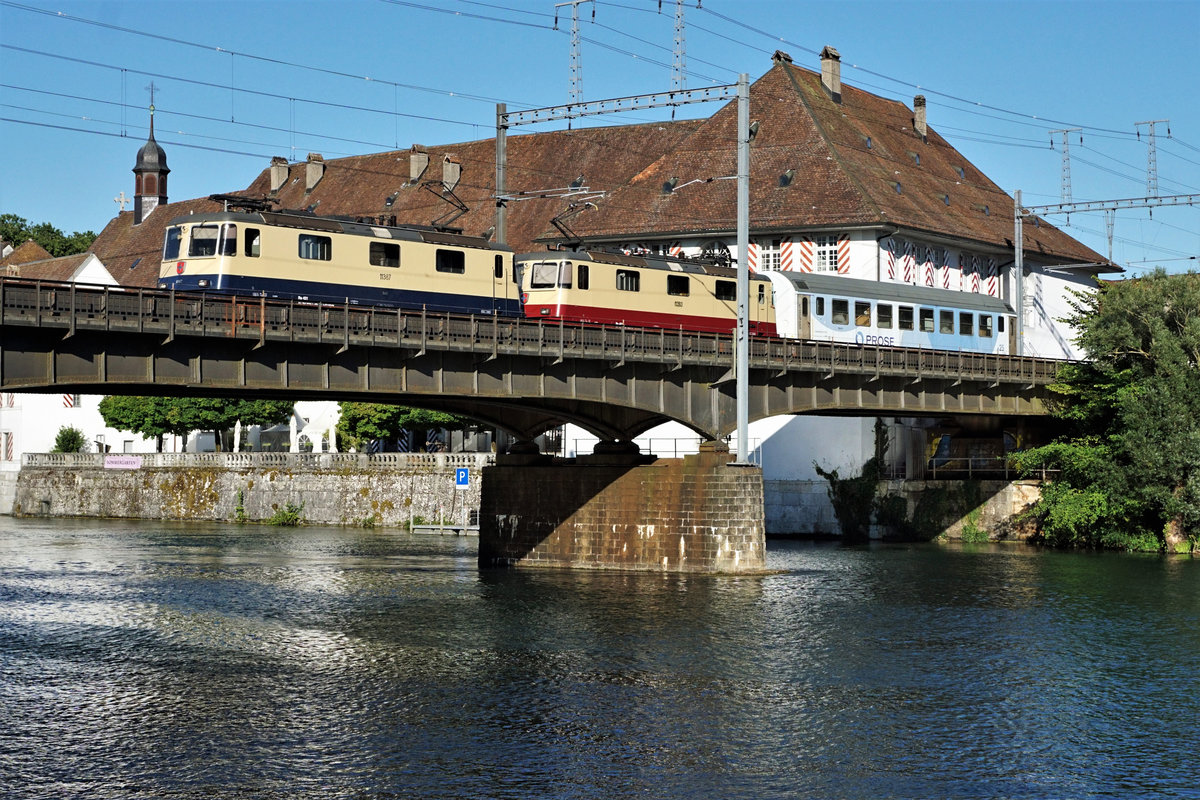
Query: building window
(316,248)
(677,285)
(772,254)
(726,290)
(862,314)
(451,261)
(926,318)
(825,253)
(883,315)
(629,280)
(840,312)
(966,323)
(385,254)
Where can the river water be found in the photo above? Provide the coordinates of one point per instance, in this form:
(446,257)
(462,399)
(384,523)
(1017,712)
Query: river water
(143,660)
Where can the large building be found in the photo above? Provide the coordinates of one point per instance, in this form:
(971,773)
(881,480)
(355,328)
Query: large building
(842,182)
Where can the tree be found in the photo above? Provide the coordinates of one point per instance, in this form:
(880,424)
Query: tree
(17,230)
(158,416)
(1129,463)
(70,440)
(360,423)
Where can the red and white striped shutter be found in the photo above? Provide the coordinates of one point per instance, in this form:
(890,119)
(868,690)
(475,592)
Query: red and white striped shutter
(975,274)
(962,272)
(945,268)
(752,255)
(11,400)
(890,258)
(68,401)
(908,261)
(929,266)
(785,254)
(993,283)
(676,249)
(10,451)
(806,254)
(843,254)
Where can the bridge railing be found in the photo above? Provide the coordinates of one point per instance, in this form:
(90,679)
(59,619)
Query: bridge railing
(260,460)
(170,314)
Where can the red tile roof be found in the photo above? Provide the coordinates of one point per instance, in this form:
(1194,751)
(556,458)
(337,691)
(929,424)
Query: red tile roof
(25,253)
(47,269)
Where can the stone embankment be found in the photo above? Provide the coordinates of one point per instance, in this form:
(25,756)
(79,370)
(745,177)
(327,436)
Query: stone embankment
(387,489)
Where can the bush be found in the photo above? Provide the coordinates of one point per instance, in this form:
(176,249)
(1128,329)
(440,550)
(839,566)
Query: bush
(70,440)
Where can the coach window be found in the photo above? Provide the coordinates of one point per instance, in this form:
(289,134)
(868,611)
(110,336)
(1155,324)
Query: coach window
(385,254)
(726,290)
(229,239)
(966,323)
(1000,324)
(820,306)
(451,261)
(629,280)
(862,314)
(883,315)
(985,326)
(203,241)
(582,283)
(677,285)
(926,319)
(317,248)
(946,322)
(839,312)
(498,269)
(905,318)
(252,242)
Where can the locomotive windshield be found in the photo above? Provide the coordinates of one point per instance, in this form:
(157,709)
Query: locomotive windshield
(171,243)
(549,274)
(209,240)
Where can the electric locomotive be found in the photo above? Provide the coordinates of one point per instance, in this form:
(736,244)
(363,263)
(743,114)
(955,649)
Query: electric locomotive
(295,254)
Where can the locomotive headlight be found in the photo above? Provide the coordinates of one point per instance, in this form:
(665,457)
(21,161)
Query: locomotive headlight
(202,283)
(545,310)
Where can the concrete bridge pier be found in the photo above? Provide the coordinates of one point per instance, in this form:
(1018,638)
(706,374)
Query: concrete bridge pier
(620,509)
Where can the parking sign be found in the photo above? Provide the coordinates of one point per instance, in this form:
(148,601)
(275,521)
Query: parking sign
(462,478)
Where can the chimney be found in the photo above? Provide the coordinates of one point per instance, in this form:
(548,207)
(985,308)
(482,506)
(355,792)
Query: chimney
(418,160)
(919,116)
(279,173)
(314,171)
(781,57)
(831,72)
(451,172)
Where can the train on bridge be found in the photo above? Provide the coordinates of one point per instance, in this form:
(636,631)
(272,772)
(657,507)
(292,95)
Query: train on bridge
(300,255)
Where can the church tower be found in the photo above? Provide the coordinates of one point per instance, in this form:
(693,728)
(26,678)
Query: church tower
(150,176)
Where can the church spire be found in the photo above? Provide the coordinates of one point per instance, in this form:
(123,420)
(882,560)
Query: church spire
(150,174)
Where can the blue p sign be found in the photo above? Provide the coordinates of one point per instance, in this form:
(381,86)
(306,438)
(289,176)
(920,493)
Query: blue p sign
(462,478)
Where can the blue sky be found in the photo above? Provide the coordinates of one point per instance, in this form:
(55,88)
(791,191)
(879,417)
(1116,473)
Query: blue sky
(239,82)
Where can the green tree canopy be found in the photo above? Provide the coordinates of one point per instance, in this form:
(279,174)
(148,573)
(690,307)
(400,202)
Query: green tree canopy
(1129,462)
(70,440)
(158,416)
(360,423)
(17,230)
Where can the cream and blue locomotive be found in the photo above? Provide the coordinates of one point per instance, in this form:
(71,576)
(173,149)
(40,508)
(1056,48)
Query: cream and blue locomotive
(338,260)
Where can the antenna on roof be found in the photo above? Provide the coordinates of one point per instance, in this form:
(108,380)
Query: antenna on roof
(576,95)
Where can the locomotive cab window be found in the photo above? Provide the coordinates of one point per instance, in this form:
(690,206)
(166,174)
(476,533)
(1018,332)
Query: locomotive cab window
(629,280)
(385,254)
(862,314)
(905,318)
(966,323)
(229,239)
(451,261)
(203,241)
(726,290)
(549,274)
(839,312)
(316,248)
(926,319)
(252,242)
(582,283)
(946,322)
(677,285)
(883,315)
(985,326)
(171,244)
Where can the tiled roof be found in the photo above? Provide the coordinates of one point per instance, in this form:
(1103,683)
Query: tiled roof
(855,163)
(25,253)
(47,269)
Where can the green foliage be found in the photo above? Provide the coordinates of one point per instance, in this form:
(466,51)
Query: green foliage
(239,511)
(1127,470)
(853,499)
(159,416)
(288,516)
(70,440)
(17,230)
(360,423)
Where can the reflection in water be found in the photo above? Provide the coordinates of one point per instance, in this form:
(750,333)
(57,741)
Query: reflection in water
(148,660)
